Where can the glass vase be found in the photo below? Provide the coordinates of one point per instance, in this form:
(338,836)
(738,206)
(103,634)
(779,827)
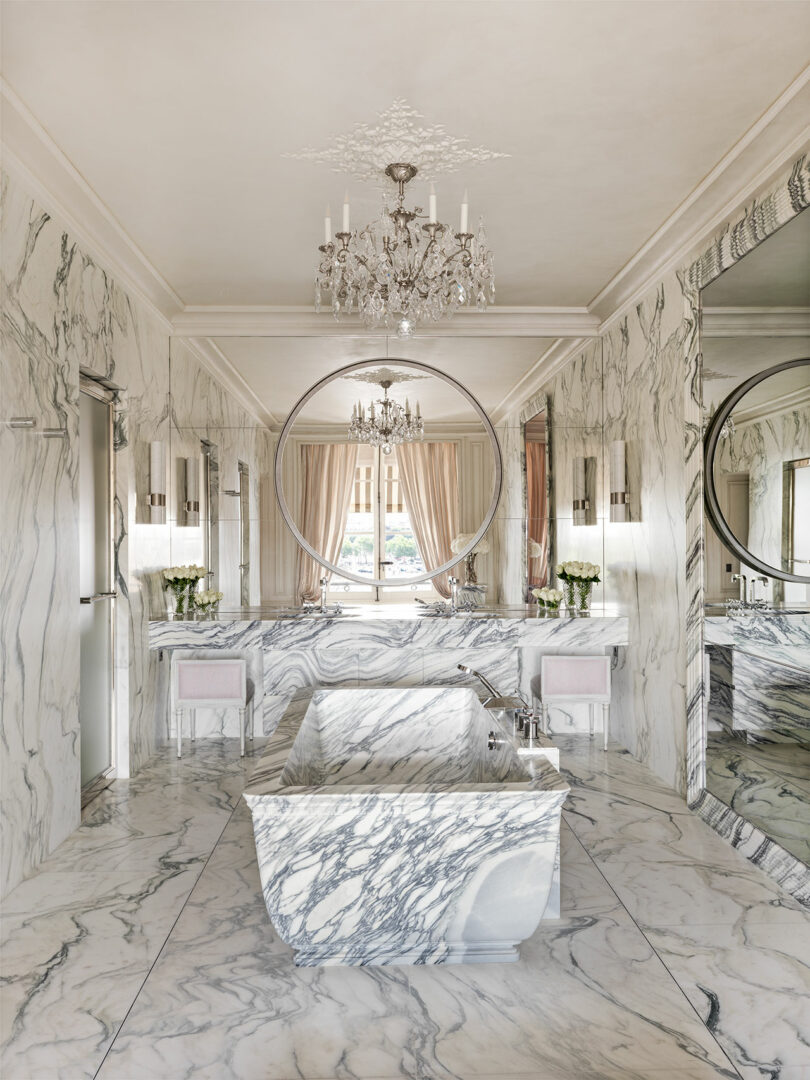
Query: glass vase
(570,595)
(176,602)
(584,590)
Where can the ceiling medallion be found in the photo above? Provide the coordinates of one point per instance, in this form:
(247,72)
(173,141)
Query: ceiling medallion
(406,268)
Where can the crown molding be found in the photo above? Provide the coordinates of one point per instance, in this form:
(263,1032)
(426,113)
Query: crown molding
(30,152)
(755,322)
(775,407)
(441,429)
(775,140)
(271,321)
(216,363)
(544,368)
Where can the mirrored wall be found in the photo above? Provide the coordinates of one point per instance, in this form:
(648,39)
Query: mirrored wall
(755,327)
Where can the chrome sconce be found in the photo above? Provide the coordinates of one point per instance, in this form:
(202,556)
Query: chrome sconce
(157,483)
(192,501)
(619,497)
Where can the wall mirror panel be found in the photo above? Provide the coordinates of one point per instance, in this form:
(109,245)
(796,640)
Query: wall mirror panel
(539,531)
(389,472)
(755,343)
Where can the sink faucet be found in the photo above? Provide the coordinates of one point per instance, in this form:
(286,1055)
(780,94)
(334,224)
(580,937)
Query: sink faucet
(764,581)
(453,582)
(324,583)
(743,580)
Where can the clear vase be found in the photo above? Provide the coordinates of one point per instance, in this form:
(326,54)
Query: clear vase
(552,611)
(584,590)
(176,603)
(569,590)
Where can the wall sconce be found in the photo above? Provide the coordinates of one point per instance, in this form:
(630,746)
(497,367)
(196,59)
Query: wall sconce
(619,509)
(581,501)
(157,483)
(192,503)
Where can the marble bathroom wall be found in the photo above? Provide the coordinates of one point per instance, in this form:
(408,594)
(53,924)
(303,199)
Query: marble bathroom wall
(61,313)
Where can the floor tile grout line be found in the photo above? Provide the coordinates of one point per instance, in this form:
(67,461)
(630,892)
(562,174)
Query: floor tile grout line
(165,940)
(598,869)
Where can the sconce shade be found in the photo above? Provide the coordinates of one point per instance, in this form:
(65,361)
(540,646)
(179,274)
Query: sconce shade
(580,500)
(192,491)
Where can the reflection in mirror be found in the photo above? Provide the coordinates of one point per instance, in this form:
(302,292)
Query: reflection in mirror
(383,469)
(538,555)
(756,316)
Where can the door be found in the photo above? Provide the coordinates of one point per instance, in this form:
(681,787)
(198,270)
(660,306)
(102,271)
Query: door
(96,587)
(721,564)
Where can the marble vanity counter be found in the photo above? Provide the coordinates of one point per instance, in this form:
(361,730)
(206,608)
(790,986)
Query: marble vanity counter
(387,645)
(782,639)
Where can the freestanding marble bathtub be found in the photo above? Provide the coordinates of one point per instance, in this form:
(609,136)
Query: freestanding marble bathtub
(387,832)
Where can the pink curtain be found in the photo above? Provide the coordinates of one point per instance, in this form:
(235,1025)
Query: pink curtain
(329,470)
(428,476)
(537,511)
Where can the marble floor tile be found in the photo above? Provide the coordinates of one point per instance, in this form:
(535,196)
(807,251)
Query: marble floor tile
(166,965)
(732,974)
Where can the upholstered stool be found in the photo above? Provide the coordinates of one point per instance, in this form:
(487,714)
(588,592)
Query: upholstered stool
(574,679)
(216,684)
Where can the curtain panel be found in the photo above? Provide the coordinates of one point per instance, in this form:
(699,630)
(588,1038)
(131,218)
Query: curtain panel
(428,476)
(329,470)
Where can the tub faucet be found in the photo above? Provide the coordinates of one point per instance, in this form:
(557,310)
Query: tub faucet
(480,677)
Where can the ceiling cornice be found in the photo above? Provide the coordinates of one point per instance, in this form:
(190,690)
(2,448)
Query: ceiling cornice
(732,322)
(777,138)
(214,360)
(544,368)
(30,152)
(269,321)
(775,407)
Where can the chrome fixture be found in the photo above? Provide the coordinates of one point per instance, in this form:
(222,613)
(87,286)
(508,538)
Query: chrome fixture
(477,674)
(397,272)
(618,481)
(157,482)
(453,582)
(324,584)
(392,426)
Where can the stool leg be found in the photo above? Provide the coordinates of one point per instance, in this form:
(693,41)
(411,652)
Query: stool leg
(250,720)
(590,717)
(605,721)
(242,713)
(193,713)
(178,719)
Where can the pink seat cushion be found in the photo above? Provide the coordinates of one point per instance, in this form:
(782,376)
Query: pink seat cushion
(575,676)
(209,680)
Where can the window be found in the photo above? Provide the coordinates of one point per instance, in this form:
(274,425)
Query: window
(379,541)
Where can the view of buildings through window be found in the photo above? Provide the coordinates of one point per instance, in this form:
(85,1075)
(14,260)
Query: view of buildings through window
(379,540)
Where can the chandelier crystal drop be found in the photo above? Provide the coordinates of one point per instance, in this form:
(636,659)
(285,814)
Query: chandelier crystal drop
(389,426)
(406,268)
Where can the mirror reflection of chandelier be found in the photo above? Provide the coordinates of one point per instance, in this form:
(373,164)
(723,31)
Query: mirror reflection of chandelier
(389,426)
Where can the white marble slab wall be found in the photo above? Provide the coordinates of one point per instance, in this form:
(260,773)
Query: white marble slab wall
(61,312)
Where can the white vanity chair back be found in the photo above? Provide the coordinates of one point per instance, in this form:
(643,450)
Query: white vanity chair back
(574,679)
(216,684)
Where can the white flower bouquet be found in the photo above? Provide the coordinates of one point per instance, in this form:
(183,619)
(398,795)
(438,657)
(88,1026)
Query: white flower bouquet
(181,581)
(578,580)
(547,598)
(459,544)
(208,601)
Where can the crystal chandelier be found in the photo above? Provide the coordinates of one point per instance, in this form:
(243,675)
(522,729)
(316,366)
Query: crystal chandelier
(391,426)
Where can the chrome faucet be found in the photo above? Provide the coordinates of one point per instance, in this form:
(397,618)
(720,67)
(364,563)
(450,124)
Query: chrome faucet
(454,583)
(743,580)
(477,674)
(764,581)
(324,583)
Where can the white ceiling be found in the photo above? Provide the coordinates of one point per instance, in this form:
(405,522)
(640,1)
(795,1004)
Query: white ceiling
(177,114)
(280,370)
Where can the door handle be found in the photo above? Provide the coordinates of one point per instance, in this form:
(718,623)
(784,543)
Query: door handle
(94,599)
(244,565)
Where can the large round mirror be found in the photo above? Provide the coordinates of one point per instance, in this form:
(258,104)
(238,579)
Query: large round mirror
(757,470)
(388,473)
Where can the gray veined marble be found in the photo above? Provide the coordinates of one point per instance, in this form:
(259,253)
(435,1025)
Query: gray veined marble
(388,832)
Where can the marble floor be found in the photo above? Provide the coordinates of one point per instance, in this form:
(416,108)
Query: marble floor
(141,949)
(766,783)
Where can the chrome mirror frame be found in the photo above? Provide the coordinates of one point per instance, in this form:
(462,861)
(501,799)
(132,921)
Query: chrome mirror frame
(713,511)
(361,366)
